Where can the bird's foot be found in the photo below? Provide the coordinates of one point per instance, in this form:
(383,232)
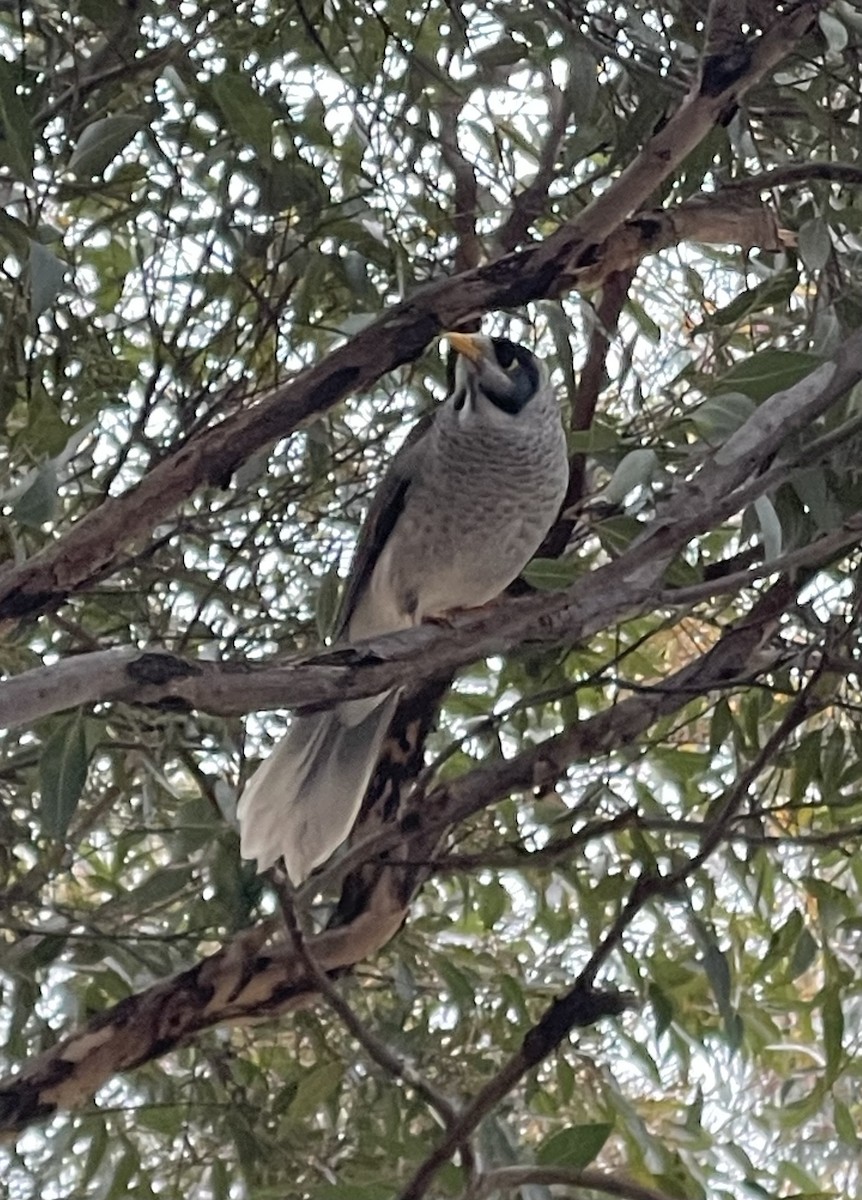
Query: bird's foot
(447,619)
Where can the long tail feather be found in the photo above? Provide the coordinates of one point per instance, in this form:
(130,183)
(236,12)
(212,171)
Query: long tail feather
(301,803)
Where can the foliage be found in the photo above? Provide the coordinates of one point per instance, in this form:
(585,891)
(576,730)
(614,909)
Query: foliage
(202,200)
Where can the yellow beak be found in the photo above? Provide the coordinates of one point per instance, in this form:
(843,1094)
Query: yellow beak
(467,344)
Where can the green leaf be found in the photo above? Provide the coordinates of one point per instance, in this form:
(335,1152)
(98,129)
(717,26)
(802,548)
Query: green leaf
(770,292)
(101,142)
(160,887)
(717,967)
(326,607)
(833,1029)
(720,416)
(353,1191)
(504,53)
(767,372)
(160,1118)
(804,954)
(46,273)
(645,323)
(575,1147)
(815,244)
(721,725)
(16,132)
(616,533)
(37,502)
(552,574)
(248,115)
(637,468)
(315,1088)
(15,234)
(782,941)
(127,1167)
(493,901)
(806,764)
(662,1008)
(95,1154)
(845,1125)
(770,528)
(835,33)
(595,440)
(62,774)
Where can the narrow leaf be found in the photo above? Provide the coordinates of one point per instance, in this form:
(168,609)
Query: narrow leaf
(16,132)
(833,1030)
(815,244)
(315,1088)
(248,115)
(46,275)
(637,468)
(575,1147)
(764,295)
(722,415)
(552,574)
(62,773)
(763,374)
(770,528)
(101,142)
(37,501)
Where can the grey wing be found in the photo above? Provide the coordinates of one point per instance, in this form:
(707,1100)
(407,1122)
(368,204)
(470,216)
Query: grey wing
(383,513)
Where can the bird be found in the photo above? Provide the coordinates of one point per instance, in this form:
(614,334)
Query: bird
(462,508)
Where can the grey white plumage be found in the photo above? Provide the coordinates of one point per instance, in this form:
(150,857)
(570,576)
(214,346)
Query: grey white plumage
(461,510)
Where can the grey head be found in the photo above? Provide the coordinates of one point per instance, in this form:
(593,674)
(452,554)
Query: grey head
(494,370)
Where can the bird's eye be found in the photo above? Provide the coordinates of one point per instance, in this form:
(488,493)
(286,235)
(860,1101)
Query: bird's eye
(506,354)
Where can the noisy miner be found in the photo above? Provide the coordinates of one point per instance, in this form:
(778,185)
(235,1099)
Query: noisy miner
(462,508)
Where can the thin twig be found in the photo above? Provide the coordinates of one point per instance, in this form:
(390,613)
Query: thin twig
(581,1003)
(527,205)
(386,1058)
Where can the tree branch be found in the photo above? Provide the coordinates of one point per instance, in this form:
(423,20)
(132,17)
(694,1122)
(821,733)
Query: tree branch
(582,1005)
(468,252)
(92,546)
(724,483)
(586,397)
(249,980)
(508,1179)
(527,205)
(376,1050)
(791,174)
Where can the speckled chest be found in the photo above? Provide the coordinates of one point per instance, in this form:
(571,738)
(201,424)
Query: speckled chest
(476,512)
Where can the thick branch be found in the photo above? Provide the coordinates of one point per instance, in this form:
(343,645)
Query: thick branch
(158,677)
(723,484)
(723,81)
(246,981)
(94,544)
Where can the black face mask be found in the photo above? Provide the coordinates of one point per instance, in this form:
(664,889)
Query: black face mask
(521,367)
